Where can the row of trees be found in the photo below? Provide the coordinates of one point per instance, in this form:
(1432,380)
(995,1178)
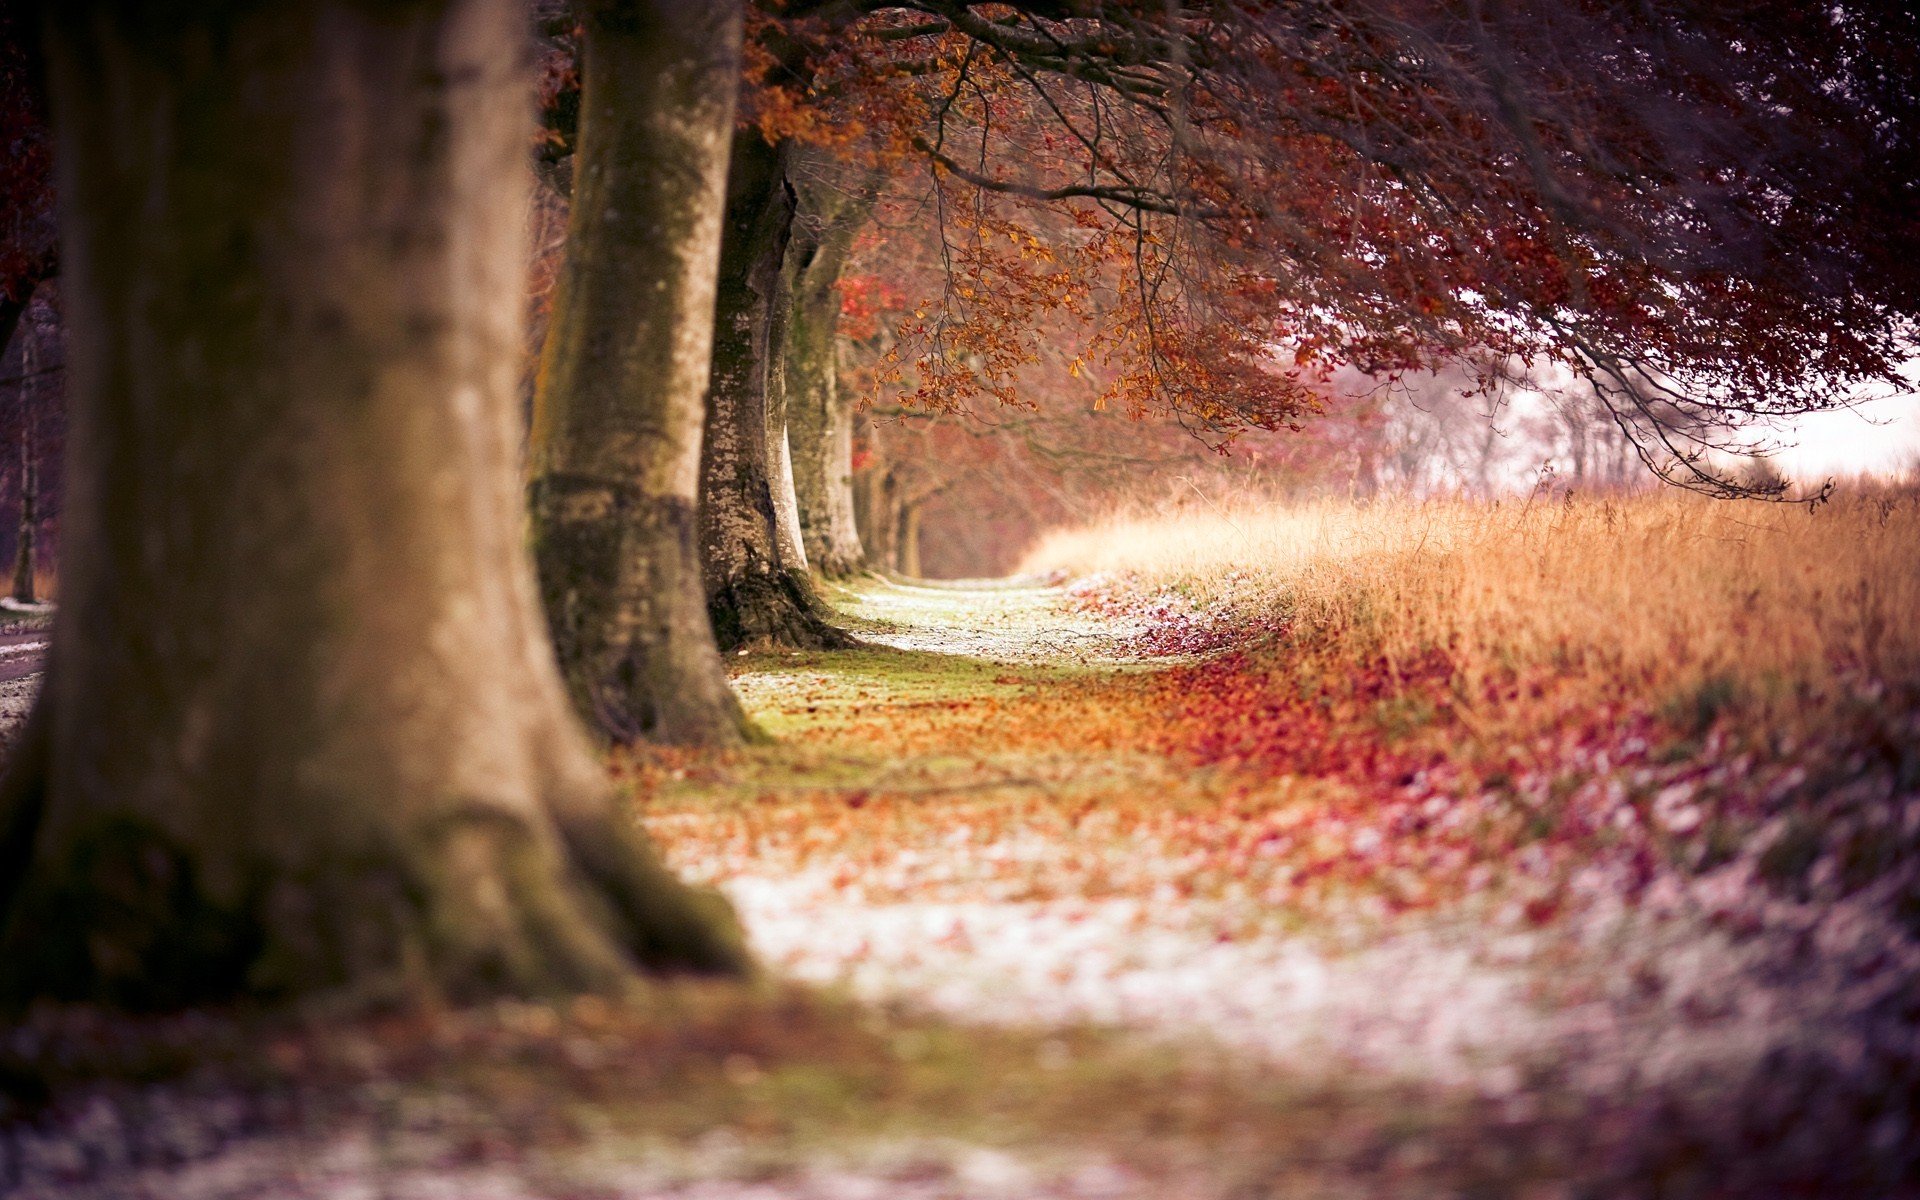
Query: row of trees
(313,716)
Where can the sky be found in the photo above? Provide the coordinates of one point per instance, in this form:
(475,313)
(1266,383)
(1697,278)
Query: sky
(1881,437)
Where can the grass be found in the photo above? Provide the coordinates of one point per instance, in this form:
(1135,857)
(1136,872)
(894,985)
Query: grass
(1668,600)
(1646,594)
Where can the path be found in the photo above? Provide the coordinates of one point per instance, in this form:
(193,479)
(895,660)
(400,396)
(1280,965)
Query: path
(22,654)
(946,823)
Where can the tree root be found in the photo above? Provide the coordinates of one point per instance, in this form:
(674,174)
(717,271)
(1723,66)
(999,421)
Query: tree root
(478,903)
(837,565)
(767,610)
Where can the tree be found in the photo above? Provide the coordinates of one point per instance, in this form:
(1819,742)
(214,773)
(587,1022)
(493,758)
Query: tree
(621,398)
(23,558)
(831,210)
(755,596)
(1698,211)
(33,422)
(302,729)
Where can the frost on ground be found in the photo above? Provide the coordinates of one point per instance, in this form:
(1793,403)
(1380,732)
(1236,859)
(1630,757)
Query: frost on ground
(16,700)
(1018,622)
(1420,1005)
(356,1166)
(1621,1000)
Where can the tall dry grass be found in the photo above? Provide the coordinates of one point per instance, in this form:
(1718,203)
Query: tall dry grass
(1652,595)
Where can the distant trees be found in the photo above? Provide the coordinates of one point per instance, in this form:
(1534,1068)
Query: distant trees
(29,254)
(24,561)
(1690,210)
(33,433)
(1237,200)
(29,258)
(757,594)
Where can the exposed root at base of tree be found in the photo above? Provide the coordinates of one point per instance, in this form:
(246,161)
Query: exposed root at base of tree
(840,566)
(773,610)
(474,902)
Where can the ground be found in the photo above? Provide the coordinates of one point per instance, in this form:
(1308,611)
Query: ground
(1028,934)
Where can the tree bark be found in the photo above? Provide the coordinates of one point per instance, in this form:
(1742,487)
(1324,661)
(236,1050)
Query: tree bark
(756,598)
(874,496)
(302,730)
(23,564)
(621,396)
(819,414)
(906,542)
(14,307)
(787,539)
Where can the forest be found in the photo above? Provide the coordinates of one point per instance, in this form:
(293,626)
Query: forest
(911,599)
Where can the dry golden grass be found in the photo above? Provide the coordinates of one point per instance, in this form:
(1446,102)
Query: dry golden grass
(1654,595)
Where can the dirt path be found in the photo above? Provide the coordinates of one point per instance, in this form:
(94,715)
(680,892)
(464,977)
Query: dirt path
(948,823)
(982,891)
(22,654)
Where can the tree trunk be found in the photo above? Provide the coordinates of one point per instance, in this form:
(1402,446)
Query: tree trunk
(755,597)
(29,502)
(819,415)
(873,498)
(621,396)
(13,308)
(906,542)
(789,547)
(302,729)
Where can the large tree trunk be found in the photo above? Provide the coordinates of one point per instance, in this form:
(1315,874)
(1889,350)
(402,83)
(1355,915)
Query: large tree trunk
(302,725)
(755,597)
(621,397)
(819,414)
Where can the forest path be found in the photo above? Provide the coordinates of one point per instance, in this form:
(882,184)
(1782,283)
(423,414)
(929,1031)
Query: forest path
(1010,621)
(968,815)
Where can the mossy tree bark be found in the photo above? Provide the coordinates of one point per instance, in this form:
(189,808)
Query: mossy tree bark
(819,414)
(756,598)
(621,397)
(302,730)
